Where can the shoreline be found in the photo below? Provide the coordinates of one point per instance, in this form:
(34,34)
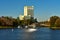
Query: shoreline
(5,27)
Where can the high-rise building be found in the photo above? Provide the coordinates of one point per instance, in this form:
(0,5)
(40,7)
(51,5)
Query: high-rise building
(29,11)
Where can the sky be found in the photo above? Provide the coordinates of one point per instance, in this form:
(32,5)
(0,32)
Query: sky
(43,9)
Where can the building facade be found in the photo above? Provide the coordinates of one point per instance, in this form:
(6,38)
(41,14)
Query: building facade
(29,10)
(28,13)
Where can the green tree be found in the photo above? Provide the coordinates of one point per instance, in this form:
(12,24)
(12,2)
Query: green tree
(35,20)
(18,20)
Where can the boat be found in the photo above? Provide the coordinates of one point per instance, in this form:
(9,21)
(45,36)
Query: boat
(19,27)
(26,27)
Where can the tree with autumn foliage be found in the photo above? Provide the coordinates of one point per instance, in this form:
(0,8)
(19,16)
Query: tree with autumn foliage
(53,20)
(57,23)
(8,21)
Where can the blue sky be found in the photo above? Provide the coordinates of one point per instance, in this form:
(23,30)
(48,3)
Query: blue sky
(43,9)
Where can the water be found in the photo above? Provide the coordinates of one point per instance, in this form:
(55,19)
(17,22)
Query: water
(26,34)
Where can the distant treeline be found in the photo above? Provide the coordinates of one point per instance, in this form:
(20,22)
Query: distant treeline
(14,22)
(54,21)
(10,21)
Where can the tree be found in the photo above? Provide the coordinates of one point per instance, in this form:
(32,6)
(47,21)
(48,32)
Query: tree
(35,20)
(57,23)
(53,20)
(18,20)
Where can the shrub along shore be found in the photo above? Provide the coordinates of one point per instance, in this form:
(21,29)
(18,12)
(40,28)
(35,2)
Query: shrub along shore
(2,27)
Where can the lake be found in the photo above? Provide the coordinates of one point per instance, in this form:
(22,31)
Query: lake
(26,34)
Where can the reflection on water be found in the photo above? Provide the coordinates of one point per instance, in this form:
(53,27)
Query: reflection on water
(30,30)
(12,30)
(29,34)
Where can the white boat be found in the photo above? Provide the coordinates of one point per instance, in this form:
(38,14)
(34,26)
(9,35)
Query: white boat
(19,27)
(26,27)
